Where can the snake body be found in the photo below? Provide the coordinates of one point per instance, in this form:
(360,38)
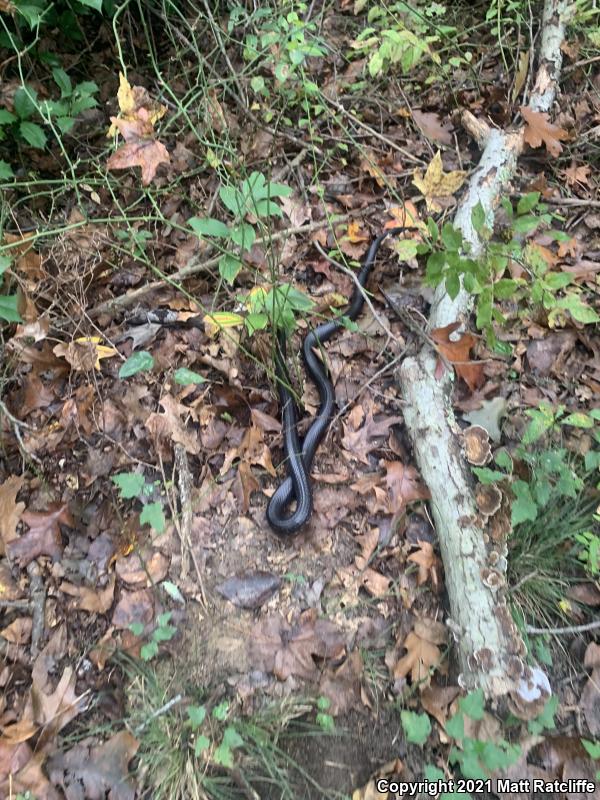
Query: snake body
(300,455)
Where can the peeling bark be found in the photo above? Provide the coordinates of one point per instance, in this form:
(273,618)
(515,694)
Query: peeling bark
(490,649)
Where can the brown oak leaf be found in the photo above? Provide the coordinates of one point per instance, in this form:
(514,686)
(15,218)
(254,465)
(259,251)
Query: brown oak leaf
(540,130)
(458,354)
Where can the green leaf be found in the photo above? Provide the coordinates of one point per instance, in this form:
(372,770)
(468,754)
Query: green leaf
(173,591)
(130,484)
(375,64)
(478,217)
(325,721)
(153,515)
(33,14)
(220,712)
(542,419)
(229,267)
(6,118)
(473,705)
(323,703)
(558,280)
(149,650)
(486,475)
(137,628)
(207,226)
(185,376)
(267,208)
(405,249)
(202,743)
(417,727)
(257,84)
(524,506)
(525,224)
(231,738)
(95,4)
(8,308)
(233,200)
(196,715)
(578,420)
(455,727)
(504,459)
(5,263)
(545,721)
(527,203)
(256,322)
(243,235)
(579,310)
(452,238)
(164,633)
(63,81)
(65,124)
(433,229)
(453,284)
(593,748)
(505,288)
(141,361)
(223,756)
(33,134)
(24,102)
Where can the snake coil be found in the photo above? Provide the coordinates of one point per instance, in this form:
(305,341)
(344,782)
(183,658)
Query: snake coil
(300,455)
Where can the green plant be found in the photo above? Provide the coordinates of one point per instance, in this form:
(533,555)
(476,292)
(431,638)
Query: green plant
(192,748)
(254,197)
(163,632)
(417,727)
(280,44)
(62,112)
(555,496)
(590,550)
(324,720)
(477,758)
(397,36)
(488,277)
(593,749)
(133,485)
(8,303)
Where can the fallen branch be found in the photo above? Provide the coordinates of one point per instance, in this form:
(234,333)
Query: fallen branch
(490,649)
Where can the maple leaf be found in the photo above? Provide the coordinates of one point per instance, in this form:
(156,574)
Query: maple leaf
(458,353)
(147,154)
(135,123)
(540,130)
(437,183)
(43,537)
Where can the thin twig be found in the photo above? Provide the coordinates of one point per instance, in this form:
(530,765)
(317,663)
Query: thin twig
(158,713)
(372,132)
(360,288)
(37,591)
(569,629)
(195,267)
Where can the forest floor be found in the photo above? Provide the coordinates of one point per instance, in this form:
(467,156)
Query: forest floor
(157,639)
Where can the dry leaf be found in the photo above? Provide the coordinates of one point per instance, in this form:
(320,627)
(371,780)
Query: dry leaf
(437,183)
(540,130)
(458,353)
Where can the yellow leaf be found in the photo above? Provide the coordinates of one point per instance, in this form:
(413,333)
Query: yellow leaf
(101,350)
(406,216)
(125,96)
(437,183)
(354,235)
(221,319)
